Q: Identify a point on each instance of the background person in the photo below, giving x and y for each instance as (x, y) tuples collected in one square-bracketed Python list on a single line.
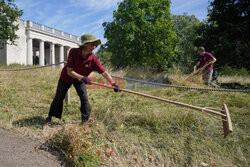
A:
[(205, 58), (81, 62)]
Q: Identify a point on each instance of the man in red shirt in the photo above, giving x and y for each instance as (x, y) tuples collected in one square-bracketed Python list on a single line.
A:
[(81, 62), (205, 58)]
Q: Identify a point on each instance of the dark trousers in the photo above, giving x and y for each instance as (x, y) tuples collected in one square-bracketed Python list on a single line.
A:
[(56, 107)]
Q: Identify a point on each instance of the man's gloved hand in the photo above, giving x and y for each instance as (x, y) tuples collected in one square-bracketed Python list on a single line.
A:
[(213, 61), (86, 80), (195, 68), (116, 87)]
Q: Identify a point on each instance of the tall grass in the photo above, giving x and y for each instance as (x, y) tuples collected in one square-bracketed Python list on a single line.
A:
[(124, 129)]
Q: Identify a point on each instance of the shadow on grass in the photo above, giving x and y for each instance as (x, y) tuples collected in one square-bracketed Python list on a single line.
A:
[(235, 86), (36, 121), (50, 147)]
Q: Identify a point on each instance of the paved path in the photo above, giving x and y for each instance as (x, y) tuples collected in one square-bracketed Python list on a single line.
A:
[(16, 151)]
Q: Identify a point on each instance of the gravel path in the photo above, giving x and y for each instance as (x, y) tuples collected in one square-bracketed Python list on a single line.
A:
[(16, 151)]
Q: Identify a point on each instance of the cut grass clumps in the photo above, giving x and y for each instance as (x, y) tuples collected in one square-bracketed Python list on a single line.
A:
[(75, 144)]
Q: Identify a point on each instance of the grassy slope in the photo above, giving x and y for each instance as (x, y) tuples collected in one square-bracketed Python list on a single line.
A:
[(139, 131)]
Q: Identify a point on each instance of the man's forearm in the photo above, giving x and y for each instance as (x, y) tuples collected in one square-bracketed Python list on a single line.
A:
[(197, 64), (74, 75), (108, 77)]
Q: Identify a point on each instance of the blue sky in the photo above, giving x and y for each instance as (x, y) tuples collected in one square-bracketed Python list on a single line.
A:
[(86, 16)]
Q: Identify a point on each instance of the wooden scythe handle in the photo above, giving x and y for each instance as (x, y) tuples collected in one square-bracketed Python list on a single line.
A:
[(166, 100), (198, 71)]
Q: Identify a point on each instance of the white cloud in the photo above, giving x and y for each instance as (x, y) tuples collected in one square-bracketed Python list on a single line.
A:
[(94, 27), (95, 23), (63, 20), (96, 5), (79, 15), (27, 6), (71, 19)]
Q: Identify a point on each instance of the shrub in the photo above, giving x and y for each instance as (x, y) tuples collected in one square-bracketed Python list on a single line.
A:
[(228, 70)]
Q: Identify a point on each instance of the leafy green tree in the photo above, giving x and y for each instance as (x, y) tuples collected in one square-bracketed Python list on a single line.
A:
[(104, 55), (9, 14), (186, 29), (142, 33), (226, 32)]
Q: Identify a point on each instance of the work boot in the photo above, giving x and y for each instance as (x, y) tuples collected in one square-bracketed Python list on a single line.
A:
[(84, 121), (48, 119)]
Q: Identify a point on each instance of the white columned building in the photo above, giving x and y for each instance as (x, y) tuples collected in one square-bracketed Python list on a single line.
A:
[(41, 55), (52, 53), (29, 54), (61, 58), (38, 45)]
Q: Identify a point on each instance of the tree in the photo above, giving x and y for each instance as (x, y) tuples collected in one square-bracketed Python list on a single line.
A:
[(186, 29), (142, 33), (226, 32), (9, 14), (104, 55)]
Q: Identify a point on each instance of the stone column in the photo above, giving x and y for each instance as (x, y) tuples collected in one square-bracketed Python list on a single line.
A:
[(52, 53), (61, 58), (41, 53), (68, 51), (30, 51)]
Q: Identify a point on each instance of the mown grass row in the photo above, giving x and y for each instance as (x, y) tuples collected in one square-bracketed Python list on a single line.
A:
[(124, 129)]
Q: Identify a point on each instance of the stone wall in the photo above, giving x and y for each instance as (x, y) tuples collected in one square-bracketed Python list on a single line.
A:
[(17, 53), (3, 53)]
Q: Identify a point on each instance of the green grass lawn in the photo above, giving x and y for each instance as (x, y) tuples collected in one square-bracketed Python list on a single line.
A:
[(125, 129)]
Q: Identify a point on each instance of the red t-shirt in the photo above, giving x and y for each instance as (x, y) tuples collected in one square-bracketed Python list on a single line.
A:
[(81, 66), (206, 58)]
